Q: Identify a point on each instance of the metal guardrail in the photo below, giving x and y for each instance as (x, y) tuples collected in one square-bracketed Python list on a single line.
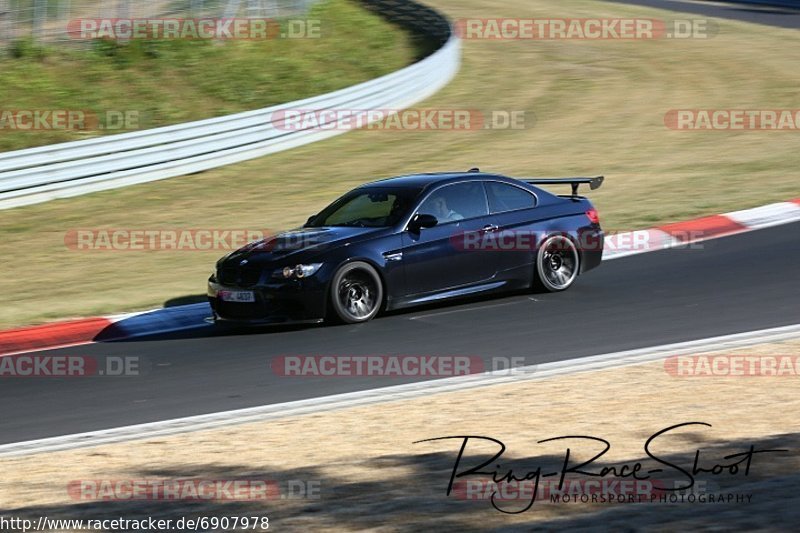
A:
[(64, 170)]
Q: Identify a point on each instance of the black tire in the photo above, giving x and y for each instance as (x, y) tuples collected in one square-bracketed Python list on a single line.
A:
[(356, 293), (557, 264)]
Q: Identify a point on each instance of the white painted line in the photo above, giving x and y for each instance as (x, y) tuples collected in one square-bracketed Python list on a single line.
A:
[(398, 392)]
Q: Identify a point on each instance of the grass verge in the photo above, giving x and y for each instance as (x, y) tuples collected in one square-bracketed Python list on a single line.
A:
[(171, 81), (599, 107)]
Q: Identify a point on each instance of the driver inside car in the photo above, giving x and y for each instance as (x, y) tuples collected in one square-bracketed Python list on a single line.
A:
[(442, 212)]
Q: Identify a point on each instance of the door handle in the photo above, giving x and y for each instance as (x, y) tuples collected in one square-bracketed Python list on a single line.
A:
[(489, 228)]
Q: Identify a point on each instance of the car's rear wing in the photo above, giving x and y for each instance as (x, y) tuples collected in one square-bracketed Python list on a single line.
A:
[(594, 183)]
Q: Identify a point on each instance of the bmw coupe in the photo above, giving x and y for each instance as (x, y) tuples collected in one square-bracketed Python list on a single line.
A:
[(412, 240)]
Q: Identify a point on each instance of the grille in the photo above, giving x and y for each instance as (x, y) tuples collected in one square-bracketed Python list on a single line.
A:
[(240, 277), (227, 276), (250, 276)]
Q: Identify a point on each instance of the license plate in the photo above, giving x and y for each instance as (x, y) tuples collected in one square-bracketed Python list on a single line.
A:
[(237, 296)]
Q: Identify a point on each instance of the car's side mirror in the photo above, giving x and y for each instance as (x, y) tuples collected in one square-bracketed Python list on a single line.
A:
[(310, 219), (421, 221)]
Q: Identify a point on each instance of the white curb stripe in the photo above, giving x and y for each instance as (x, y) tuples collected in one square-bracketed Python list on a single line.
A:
[(767, 216), (637, 242)]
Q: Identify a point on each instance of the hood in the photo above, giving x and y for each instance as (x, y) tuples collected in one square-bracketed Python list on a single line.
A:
[(296, 245)]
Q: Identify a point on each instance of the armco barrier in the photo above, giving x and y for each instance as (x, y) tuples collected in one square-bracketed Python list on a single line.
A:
[(46, 173)]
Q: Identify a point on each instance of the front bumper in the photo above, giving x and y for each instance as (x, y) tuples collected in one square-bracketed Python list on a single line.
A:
[(292, 301)]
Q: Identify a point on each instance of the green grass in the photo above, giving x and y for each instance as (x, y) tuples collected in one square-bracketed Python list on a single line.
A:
[(173, 81), (599, 105)]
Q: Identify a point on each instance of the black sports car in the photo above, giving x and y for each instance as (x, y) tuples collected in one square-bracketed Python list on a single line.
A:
[(411, 240)]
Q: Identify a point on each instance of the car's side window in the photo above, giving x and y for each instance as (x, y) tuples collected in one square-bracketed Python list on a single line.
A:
[(456, 202), (504, 197)]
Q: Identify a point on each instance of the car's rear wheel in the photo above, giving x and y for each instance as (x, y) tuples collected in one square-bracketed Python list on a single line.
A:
[(557, 264), (356, 293)]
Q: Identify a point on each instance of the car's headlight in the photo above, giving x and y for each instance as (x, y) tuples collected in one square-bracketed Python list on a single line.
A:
[(299, 271)]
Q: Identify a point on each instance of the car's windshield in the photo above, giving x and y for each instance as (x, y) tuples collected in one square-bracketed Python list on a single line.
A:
[(374, 207)]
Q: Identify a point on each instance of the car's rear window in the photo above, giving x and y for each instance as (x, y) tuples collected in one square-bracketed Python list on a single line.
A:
[(504, 197)]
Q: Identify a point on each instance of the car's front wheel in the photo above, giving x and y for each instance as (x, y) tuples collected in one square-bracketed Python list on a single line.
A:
[(356, 293), (557, 264)]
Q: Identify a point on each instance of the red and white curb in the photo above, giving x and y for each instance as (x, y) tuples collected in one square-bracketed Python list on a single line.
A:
[(59, 334), (701, 229), (109, 328), (618, 245)]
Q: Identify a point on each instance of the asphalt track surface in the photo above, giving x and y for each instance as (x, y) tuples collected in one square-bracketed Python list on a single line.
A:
[(746, 11), (739, 283), (733, 284)]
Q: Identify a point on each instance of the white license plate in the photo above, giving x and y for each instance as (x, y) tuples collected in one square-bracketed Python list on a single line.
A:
[(237, 296)]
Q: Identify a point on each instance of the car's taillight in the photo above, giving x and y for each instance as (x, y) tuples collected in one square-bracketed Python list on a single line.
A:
[(593, 216)]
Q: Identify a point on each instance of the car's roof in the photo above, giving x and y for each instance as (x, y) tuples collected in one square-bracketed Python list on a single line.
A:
[(424, 181)]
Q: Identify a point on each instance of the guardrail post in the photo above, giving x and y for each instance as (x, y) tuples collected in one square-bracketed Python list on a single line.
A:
[(5, 22), (39, 19)]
